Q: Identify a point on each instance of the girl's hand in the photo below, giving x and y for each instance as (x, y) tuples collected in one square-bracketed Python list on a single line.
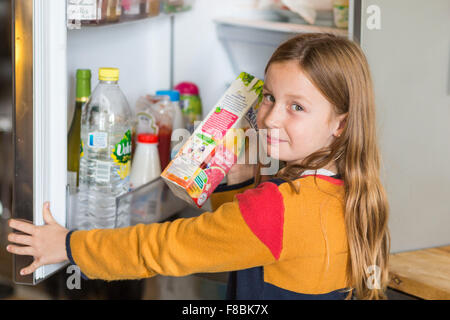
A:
[(240, 173), (47, 244), (243, 170)]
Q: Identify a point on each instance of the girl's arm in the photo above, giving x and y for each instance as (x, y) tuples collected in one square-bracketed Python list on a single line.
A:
[(245, 233), (225, 193)]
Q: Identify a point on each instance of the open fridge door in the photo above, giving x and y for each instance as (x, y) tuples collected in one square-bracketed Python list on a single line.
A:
[(45, 53), (39, 108)]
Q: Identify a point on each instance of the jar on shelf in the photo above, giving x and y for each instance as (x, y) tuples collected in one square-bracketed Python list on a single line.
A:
[(134, 9), (112, 9), (190, 103), (153, 7), (340, 12), (172, 6)]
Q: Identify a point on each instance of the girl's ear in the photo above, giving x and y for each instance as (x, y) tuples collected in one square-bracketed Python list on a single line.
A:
[(342, 120)]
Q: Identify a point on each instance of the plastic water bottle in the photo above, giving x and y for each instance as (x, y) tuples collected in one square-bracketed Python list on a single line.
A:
[(106, 153)]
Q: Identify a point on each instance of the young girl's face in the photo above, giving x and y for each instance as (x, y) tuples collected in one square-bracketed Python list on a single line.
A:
[(298, 118)]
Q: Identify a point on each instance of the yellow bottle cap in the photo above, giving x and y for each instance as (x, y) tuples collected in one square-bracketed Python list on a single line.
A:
[(108, 74)]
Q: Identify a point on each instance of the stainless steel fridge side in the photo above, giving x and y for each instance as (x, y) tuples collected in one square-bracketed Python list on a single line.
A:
[(22, 205), (354, 23)]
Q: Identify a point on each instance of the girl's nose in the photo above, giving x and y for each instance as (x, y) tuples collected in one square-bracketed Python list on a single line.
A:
[(274, 117)]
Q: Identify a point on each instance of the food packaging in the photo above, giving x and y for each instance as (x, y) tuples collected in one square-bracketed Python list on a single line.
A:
[(209, 153)]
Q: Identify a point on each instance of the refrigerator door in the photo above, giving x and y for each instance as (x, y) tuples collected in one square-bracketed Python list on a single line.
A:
[(39, 116), (45, 56), (407, 43)]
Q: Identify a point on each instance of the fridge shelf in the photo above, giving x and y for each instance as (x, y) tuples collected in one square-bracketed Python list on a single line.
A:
[(76, 25), (276, 26), (241, 38)]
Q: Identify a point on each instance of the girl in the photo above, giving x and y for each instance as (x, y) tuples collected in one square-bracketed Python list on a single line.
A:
[(318, 230)]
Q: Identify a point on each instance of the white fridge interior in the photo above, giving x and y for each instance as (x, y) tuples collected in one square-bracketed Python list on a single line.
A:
[(152, 54)]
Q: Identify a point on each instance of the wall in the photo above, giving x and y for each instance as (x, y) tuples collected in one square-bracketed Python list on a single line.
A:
[(409, 59)]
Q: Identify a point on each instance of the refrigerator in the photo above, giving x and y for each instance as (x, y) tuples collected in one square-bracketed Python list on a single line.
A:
[(407, 43), (47, 51)]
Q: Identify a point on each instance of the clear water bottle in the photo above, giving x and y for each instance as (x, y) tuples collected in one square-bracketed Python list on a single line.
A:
[(106, 154)]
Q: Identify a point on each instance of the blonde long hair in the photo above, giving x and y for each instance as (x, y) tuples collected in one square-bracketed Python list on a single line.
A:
[(339, 69)]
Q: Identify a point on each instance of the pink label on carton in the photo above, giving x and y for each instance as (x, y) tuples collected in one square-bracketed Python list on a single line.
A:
[(219, 123), (223, 158), (215, 176)]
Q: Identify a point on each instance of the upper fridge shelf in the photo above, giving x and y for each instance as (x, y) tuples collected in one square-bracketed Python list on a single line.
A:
[(242, 38), (283, 27), (95, 13)]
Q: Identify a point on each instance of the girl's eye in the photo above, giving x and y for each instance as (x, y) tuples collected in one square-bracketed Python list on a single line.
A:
[(296, 107), (269, 98)]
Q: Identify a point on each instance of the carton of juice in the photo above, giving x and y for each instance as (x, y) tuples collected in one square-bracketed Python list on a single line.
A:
[(213, 148)]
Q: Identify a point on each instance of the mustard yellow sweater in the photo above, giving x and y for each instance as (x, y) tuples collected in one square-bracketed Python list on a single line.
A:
[(283, 244)]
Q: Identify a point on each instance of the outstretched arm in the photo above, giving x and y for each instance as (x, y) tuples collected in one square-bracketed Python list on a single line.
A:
[(241, 234)]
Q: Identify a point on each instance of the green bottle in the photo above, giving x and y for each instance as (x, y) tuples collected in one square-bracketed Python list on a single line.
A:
[(74, 145)]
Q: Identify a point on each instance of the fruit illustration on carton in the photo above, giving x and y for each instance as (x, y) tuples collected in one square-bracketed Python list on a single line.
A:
[(214, 147)]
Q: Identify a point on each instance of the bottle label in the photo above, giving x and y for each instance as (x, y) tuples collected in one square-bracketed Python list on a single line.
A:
[(99, 10), (72, 181), (121, 154), (81, 148), (131, 7), (102, 171), (82, 10), (146, 123), (98, 140)]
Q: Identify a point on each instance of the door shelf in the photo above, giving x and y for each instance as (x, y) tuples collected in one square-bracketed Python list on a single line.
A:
[(150, 203)]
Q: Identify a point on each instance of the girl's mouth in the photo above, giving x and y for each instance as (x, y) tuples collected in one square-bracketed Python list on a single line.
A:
[(272, 140)]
